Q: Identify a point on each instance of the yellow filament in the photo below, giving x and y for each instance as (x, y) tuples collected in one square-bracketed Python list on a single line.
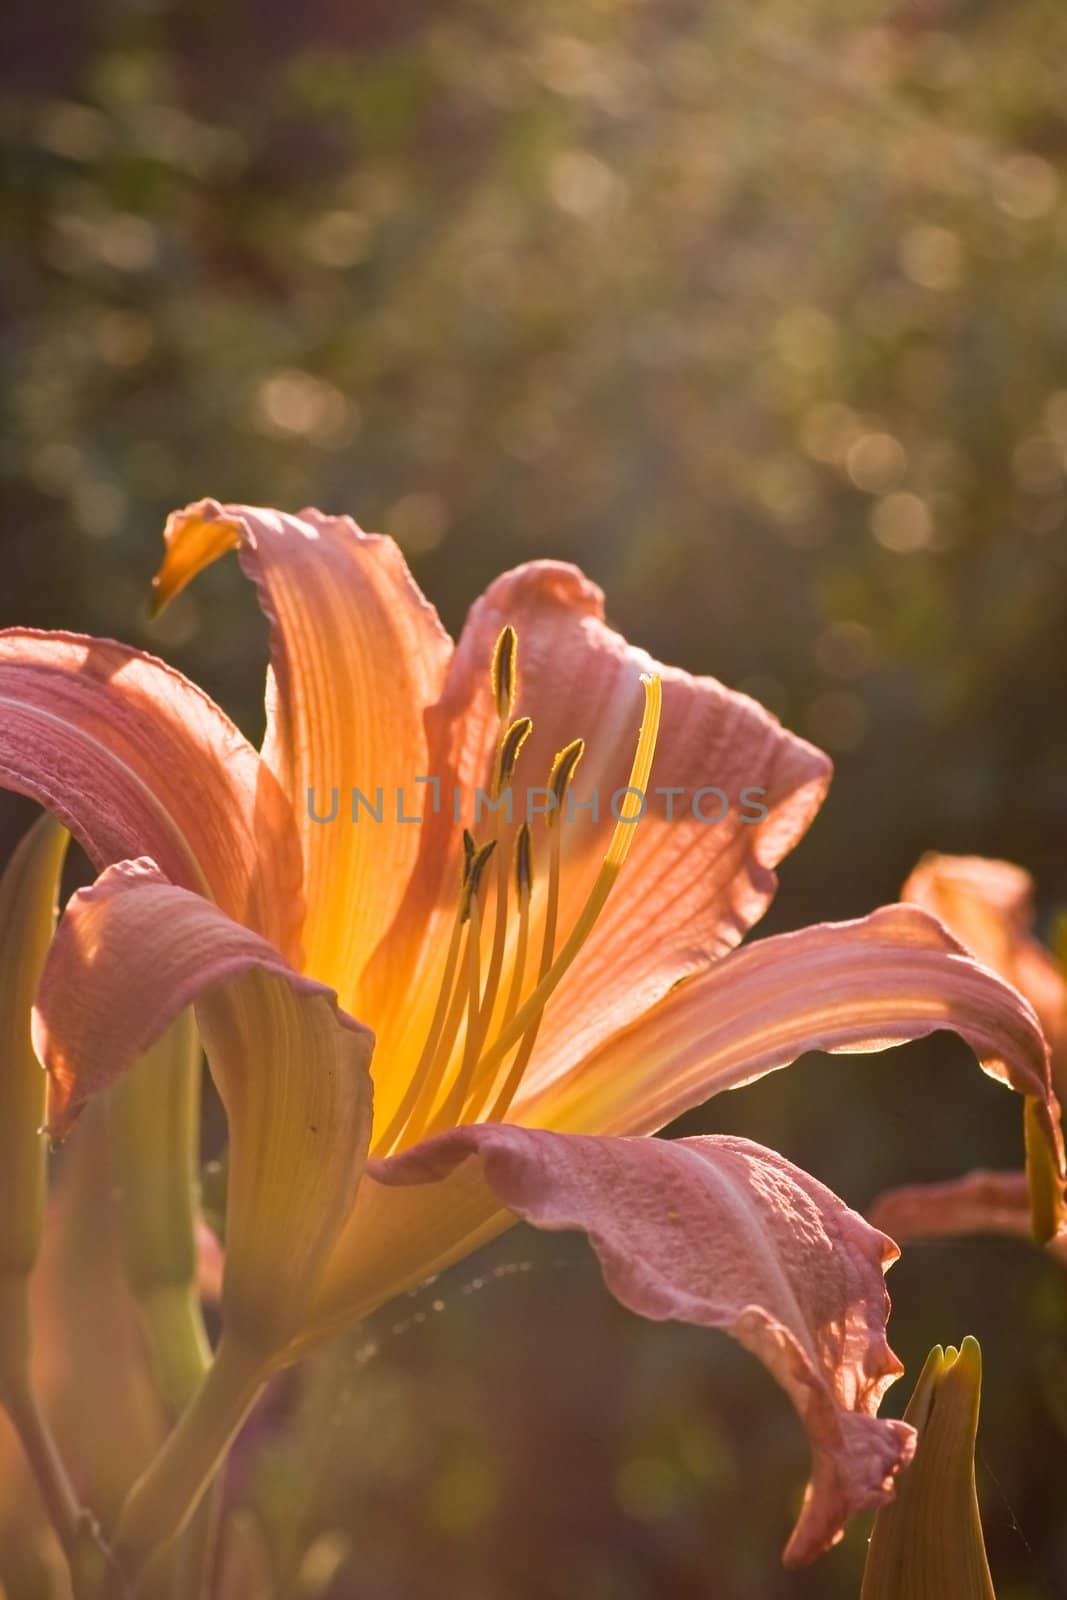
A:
[(496, 955), (518, 972), (448, 1113), (483, 1079), (434, 1072), (548, 943), (444, 1024), (618, 850), (523, 886), (508, 751), (433, 1039), (510, 1086), (548, 948)]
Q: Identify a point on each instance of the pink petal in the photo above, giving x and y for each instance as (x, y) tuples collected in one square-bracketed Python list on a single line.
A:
[(689, 889), (725, 1234), (134, 760), (292, 1070), (357, 655), (989, 906), (210, 1260), (981, 1202), (849, 986)]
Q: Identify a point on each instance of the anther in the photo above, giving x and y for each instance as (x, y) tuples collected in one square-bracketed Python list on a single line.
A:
[(523, 863), (510, 746), (562, 774), (478, 863), (469, 851), (503, 672)]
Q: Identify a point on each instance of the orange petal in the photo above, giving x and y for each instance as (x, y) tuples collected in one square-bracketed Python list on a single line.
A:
[(134, 759), (848, 986), (713, 1231), (989, 906), (690, 888), (192, 543), (292, 1071), (357, 656)]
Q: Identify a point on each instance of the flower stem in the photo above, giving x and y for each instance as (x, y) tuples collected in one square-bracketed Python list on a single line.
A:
[(197, 1551), (48, 1470), (160, 1504), (180, 1352)]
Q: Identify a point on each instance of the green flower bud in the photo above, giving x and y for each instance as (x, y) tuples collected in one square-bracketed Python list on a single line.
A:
[(927, 1543)]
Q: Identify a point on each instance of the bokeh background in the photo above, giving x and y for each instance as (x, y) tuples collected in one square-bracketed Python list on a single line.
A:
[(759, 313)]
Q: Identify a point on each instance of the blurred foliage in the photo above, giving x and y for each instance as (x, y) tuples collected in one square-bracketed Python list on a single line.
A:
[(758, 314)]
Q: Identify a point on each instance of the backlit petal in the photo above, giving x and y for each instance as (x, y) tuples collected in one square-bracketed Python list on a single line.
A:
[(848, 986), (988, 905), (357, 655), (134, 760), (690, 888), (713, 1231), (980, 1202), (292, 1070)]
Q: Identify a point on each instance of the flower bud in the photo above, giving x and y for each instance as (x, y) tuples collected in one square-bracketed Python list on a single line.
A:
[(927, 1543)]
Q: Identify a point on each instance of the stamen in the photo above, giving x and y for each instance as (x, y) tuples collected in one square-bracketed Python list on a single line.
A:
[(475, 872), (523, 864), (435, 1071), (429, 1050), (548, 946), (510, 745), (496, 955), (444, 1024), (508, 753), (479, 1068), (563, 769), (562, 774), (618, 850), (483, 1078), (509, 1089), (447, 1115), (503, 672)]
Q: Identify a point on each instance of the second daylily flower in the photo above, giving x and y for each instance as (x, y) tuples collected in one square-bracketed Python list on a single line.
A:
[(538, 996), (988, 905)]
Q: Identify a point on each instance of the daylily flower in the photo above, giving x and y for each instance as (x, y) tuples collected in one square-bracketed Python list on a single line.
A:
[(928, 1544), (989, 906), (540, 995)]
